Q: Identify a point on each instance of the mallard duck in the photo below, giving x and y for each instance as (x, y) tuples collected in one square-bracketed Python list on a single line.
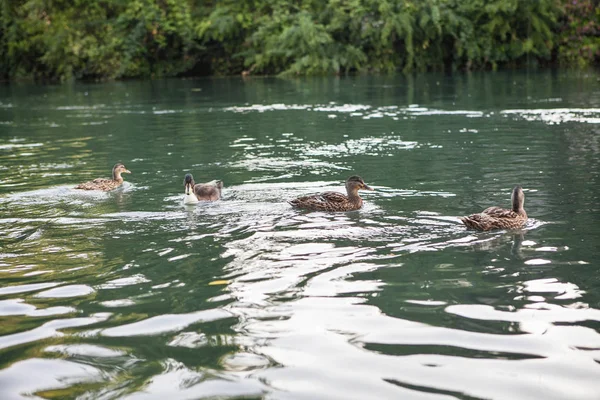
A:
[(106, 184), (500, 218), (334, 201), (201, 191)]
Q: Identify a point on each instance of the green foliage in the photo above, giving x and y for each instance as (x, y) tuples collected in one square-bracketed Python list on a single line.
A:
[(105, 38), (62, 39), (579, 40), (222, 29), (504, 31), (296, 44)]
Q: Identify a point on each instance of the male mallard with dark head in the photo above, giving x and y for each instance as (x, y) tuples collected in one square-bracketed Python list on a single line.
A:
[(334, 201), (201, 191), (500, 218), (106, 184)]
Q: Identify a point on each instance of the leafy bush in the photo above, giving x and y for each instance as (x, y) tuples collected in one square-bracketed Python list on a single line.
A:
[(108, 39), (579, 42)]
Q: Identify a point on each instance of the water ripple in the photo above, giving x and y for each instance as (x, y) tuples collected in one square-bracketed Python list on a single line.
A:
[(131, 294), (165, 323)]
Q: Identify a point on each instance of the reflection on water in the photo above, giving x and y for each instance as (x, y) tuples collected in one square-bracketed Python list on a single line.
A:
[(131, 294)]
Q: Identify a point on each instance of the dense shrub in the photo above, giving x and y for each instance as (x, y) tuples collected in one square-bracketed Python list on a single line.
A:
[(579, 37), (61, 39)]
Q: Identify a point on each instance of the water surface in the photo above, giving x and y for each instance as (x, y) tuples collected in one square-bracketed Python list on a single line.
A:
[(132, 295)]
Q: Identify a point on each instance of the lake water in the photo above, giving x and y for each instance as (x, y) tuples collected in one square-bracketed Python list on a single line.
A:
[(132, 295)]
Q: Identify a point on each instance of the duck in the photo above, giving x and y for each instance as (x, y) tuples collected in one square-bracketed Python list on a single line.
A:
[(209, 191), (500, 218), (106, 184), (334, 201)]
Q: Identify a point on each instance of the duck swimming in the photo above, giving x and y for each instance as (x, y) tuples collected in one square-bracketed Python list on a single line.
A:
[(194, 192), (500, 218), (334, 201), (106, 184)]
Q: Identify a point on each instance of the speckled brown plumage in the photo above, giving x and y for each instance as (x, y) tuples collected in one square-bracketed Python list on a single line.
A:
[(334, 201), (106, 184), (500, 218)]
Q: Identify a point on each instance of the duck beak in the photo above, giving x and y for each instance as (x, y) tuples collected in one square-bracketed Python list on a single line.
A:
[(126, 171), (366, 187), (187, 189)]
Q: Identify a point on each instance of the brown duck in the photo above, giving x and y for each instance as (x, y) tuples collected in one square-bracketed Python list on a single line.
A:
[(500, 218), (194, 192), (334, 201), (106, 184)]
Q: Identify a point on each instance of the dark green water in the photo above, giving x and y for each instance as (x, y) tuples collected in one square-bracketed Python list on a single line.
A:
[(132, 295)]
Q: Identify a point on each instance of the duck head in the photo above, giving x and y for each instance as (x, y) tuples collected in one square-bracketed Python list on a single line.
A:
[(119, 169), (188, 183), (356, 183), (517, 198), (190, 196)]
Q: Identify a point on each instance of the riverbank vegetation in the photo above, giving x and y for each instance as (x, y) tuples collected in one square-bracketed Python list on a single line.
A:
[(116, 39)]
